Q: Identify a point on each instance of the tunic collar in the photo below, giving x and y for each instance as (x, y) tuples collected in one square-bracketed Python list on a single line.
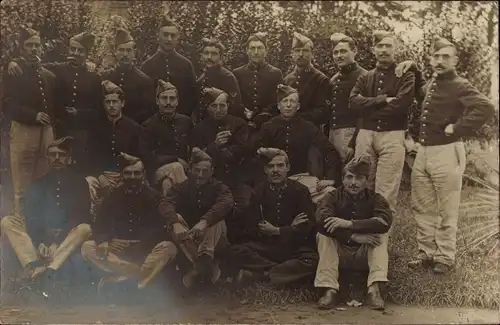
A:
[(349, 68), (386, 68), (306, 70), (257, 66), (355, 198), (167, 119), (447, 75), (278, 188)]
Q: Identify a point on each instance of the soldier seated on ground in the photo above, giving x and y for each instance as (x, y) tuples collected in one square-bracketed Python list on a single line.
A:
[(352, 222), (195, 212), (55, 222), (129, 240), (281, 215)]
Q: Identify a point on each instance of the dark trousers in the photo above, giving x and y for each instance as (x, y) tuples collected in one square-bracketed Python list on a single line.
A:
[(283, 263), (237, 222)]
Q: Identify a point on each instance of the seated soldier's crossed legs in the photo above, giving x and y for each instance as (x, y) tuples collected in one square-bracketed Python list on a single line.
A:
[(168, 175), (15, 230)]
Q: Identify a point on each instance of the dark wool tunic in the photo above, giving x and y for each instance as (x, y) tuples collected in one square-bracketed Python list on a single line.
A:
[(258, 86), (369, 212), (296, 137), (139, 92), (132, 216), (314, 92), (223, 79), (342, 115), (108, 139), (451, 99), (228, 159), (175, 68), (280, 206), (79, 88), (369, 97), (212, 202), (165, 140), (58, 200), (29, 94)]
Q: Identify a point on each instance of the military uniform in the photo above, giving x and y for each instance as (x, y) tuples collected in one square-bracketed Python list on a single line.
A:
[(290, 256), (24, 97), (436, 179), (381, 135)]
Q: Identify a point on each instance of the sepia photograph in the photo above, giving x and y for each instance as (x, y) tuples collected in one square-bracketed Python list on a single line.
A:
[(249, 162)]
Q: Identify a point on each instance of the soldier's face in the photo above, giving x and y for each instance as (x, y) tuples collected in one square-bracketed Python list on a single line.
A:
[(256, 51), (385, 49), (58, 158), (133, 175), (125, 53), (289, 105), (201, 172), (354, 183), (302, 56), (211, 56), (76, 53), (167, 102), (343, 54), (168, 38), (113, 105), (32, 48), (218, 108), (444, 60), (277, 169)]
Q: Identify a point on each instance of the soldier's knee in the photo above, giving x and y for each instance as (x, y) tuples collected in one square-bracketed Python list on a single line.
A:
[(168, 248), (7, 223), (84, 229), (176, 166)]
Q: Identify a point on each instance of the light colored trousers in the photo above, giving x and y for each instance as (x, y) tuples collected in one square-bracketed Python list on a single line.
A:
[(312, 184), (387, 154), (108, 180), (160, 256), (28, 157), (15, 230), (340, 139), (169, 175), (436, 183), (334, 256)]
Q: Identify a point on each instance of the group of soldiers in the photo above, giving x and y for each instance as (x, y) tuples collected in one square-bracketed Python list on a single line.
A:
[(283, 178)]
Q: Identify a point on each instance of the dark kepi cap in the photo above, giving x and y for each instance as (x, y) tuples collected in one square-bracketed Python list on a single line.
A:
[(198, 155), (267, 154), (359, 166), (336, 38), (65, 143), (211, 94), (379, 35), (441, 42), (300, 40), (259, 36), (284, 91), (27, 33), (125, 160), (110, 88), (167, 21), (87, 40), (122, 36), (164, 86), (213, 42)]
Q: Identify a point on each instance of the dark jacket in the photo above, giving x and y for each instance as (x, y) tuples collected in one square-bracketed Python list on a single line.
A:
[(369, 97), (212, 202), (342, 115), (179, 71), (164, 141), (451, 99), (29, 94), (369, 211), (139, 92), (58, 200), (314, 92)]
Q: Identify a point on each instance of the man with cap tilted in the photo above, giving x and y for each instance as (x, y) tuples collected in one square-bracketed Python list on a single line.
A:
[(78, 95), (313, 86), (29, 102), (343, 119), (281, 216), (56, 218), (217, 76), (137, 86), (352, 222), (384, 101), (167, 64), (258, 81), (195, 213), (295, 135), (129, 237), (112, 133), (224, 137), (452, 109), (165, 139)]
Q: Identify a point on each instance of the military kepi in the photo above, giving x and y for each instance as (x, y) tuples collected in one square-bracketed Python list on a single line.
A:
[(206, 41), (359, 166), (440, 42), (211, 94), (300, 40), (85, 39), (122, 36), (267, 154), (198, 155), (63, 143), (125, 160), (164, 86), (336, 38), (285, 91), (379, 35), (259, 36), (110, 88), (27, 33)]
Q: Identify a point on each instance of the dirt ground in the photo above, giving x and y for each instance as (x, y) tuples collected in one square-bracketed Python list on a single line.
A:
[(202, 312)]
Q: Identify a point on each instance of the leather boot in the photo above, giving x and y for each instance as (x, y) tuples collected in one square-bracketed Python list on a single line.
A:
[(328, 300)]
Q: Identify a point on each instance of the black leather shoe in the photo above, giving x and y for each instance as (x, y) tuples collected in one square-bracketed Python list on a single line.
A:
[(328, 300), (375, 300), (441, 268)]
